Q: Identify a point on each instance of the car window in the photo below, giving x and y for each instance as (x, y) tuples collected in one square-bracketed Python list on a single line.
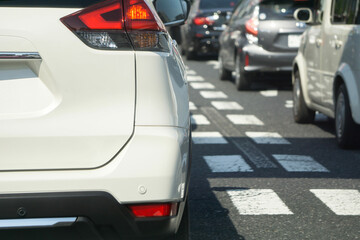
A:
[(345, 12), (319, 6), (48, 3), (282, 9), (209, 4)]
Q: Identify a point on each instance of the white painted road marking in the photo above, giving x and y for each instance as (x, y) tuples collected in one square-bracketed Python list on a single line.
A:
[(223, 105), (340, 201), (267, 138), (298, 163), (230, 163), (269, 93), (208, 138), (213, 63), (191, 72), (202, 85), (213, 94), (199, 119), (244, 119), (192, 106), (289, 104), (195, 78), (258, 202)]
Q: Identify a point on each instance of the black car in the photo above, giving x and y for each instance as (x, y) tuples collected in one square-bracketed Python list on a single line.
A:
[(262, 36), (206, 22)]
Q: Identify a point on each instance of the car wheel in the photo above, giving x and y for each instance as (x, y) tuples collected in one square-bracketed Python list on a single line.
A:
[(347, 131), (224, 74), (190, 55), (242, 81), (301, 113)]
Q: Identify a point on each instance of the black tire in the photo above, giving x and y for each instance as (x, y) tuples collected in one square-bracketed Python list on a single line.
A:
[(347, 131), (242, 80), (224, 74), (190, 55), (301, 113)]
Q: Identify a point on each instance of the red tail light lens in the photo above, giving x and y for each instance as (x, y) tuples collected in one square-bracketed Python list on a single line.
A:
[(119, 25), (203, 21), (251, 26), (154, 210)]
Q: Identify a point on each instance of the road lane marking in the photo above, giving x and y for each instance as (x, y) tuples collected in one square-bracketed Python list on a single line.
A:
[(298, 163), (245, 145), (198, 119), (192, 106), (191, 72), (269, 93), (202, 85), (225, 164), (191, 78), (267, 138), (213, 94), (224, 105), (208, 138), (213, 63), (289, 104), (258, 202), (239, 119), (340, 201)]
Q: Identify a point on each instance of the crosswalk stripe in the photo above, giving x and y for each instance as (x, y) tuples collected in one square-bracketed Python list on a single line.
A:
[(215, 64), (269, 93), (199, 119), (258, 202), (340, 201), (191, 72), (191, 78), (227, 163), (208, 138), (289, 104), (224, 105), (201, 85), (213, 94), (299, 163), (267, 138), (192, 106), (239, 119)]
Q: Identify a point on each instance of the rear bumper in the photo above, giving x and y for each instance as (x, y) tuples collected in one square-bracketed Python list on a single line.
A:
[(261, 60), (97, 215)]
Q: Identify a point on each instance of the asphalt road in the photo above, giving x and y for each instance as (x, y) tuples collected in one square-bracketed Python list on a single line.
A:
[(258, 175)]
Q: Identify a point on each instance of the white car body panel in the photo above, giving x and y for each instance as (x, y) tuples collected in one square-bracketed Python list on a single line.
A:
[(67, 114)]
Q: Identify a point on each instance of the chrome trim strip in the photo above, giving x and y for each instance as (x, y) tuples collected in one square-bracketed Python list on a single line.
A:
[(19, 55), (36, 222)]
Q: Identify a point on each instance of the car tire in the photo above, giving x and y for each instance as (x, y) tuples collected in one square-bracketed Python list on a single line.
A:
[(224, 74), (346, 130), (242, 81), (190, 55), (301, 113)]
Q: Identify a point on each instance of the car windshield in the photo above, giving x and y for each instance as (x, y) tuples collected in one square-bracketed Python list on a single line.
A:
[(209, 4), (281, 9)]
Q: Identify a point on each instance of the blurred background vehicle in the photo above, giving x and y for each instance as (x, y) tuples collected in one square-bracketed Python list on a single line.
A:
[(206, 22), (262, 36), (326, 71)]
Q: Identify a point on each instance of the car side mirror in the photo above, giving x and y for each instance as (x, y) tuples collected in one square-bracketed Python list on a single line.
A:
[(304, 15), (172, 12)]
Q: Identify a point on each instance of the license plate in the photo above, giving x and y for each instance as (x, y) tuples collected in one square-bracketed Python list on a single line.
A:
[(294, 41)]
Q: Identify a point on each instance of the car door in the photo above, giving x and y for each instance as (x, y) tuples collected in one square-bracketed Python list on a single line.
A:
[(336, 33), (313, 50)]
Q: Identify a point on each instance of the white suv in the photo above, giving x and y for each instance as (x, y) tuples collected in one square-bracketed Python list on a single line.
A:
[(326, 71), (94, 118)]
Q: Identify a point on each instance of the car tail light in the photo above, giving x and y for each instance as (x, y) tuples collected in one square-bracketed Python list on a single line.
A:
[(247, 60), (251, 27), (203, 21), (119, 25), (154, 210)]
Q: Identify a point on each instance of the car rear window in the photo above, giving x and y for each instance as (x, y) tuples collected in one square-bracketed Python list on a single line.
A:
[(282, 9), (209, 4), (48, 3)]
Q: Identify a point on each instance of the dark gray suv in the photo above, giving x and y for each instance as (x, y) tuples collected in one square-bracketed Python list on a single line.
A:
[(262, 36)]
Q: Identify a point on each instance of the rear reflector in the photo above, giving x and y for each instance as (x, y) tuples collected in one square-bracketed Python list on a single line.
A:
[(154, 210), (119, 25)]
